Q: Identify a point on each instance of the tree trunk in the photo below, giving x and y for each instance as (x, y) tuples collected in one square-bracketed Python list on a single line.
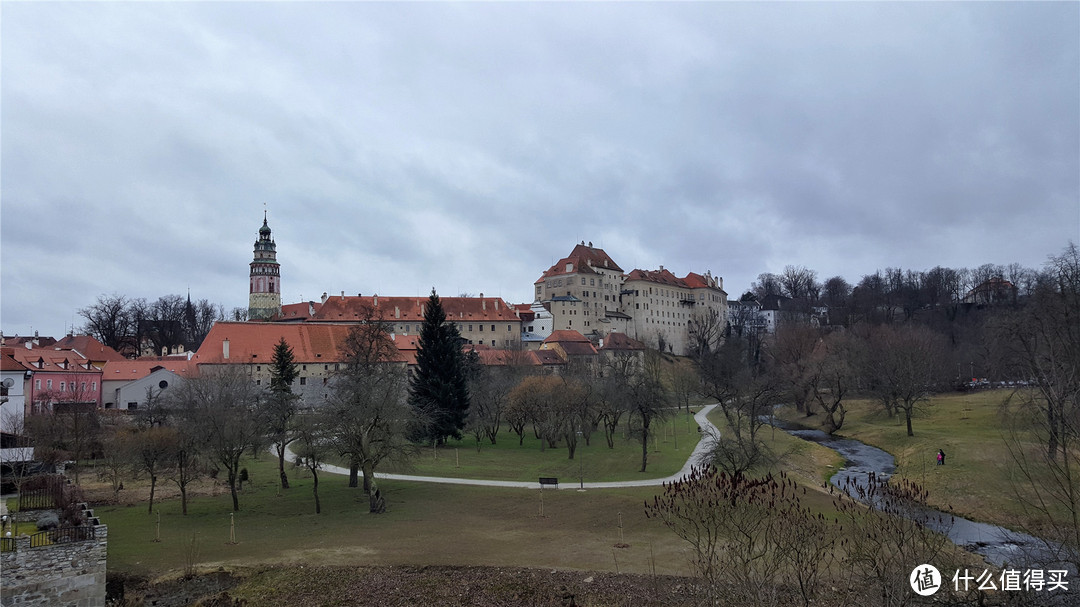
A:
[(183, 499), (354, 468), (153, 485), (369, 477), (232, 490), (644, 443), (315, 489), (281, 465), (907, 416)]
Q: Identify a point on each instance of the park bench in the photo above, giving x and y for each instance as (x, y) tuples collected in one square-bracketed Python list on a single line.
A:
[(549, 480)]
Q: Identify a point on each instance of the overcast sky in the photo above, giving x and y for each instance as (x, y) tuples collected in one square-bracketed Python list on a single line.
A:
[(468, 146)]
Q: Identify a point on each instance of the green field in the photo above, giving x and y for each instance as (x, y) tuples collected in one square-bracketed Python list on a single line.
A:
[(674, 440), (424, 524), (977, 478)]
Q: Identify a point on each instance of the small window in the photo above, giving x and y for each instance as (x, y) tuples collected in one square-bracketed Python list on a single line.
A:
[(63, 386), (303, 381), (583, 280), (37, 384), (48, 384), (133, 406), (258, 368), (93, 386), (258, 382), (481, 328), (492, 328)]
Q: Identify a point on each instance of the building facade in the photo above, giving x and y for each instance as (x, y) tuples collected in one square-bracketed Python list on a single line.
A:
[(588, 292)]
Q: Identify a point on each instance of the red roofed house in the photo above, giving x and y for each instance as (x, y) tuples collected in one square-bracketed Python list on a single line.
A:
[(318, 350), (581, 289), (61, 379), (125, 383), (480, 320), (89, 348), (571, 346)]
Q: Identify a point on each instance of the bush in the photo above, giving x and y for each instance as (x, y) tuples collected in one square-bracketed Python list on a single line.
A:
[(48, 521)]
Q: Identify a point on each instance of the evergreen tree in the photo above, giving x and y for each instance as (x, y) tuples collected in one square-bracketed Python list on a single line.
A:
[(283, 371), (437, 389), (280, 409)]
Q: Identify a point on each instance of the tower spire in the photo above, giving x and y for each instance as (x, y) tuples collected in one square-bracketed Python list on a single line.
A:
[(264, 287)]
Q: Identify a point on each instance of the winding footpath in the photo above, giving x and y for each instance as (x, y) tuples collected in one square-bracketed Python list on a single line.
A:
[(701, 417)]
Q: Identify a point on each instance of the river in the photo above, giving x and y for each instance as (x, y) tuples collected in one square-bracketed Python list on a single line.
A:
[(996, 544)]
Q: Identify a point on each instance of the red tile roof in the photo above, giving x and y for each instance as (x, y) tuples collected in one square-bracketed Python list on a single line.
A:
[(89, 347), (661, 276), (621, 341), (53, 361), (572, 342), (565, 336), (128, 370), (8, 362), (253, 342), (548, 357), (16, 341), (411, 309), (582, 260)]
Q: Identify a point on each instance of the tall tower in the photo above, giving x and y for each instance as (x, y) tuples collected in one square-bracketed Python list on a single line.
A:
[(264, 299)]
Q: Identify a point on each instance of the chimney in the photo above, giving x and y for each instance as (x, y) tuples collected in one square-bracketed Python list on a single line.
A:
[(324, 297), (225, 349), (496, 305), (343, 296), (375, 300), (397, 312), (483, 303)]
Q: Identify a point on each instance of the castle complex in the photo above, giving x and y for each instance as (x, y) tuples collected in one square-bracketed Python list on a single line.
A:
[(586, 292)]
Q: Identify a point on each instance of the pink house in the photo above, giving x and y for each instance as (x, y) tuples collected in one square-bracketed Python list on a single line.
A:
[(59, 379)]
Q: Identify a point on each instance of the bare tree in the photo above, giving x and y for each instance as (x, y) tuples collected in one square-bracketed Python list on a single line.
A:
[(745, 394), (798, 282), (1046, 409), (109, 320), (705, 329), (153, 450), (314, 432), (832, 374), (368, 400), (188, 461), (904, 366), (791, 356), (647, 400), (222, 405)]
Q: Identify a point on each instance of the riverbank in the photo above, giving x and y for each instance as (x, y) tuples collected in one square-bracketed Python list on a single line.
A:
[(977, 478)]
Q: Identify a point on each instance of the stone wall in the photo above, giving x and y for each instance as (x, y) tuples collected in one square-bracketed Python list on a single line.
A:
[(62, 575)]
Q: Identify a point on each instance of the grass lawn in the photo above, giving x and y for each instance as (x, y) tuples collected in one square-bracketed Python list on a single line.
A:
[(675, 439), (424, 524), (975, 481)]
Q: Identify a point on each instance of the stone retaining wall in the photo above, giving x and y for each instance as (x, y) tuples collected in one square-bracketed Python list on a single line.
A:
[(62, 575)]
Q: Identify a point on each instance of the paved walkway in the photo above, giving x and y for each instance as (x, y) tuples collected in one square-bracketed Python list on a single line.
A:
[(702, 446)]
